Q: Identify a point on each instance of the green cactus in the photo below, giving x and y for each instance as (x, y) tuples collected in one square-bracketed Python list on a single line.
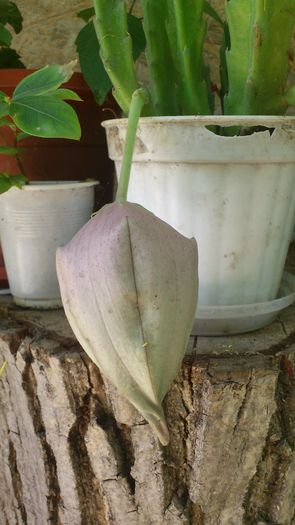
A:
[(161, 68), (116, 48), (258, 59), (186, 31), (255, 55)]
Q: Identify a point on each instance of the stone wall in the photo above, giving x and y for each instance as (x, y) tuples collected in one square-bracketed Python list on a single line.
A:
[(49, 31), (51, 26)]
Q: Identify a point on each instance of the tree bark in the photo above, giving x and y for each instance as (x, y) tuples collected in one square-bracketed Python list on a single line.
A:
[(74, 452)]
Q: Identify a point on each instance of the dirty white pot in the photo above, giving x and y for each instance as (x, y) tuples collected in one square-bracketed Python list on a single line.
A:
[(235, 195), (34, 222)]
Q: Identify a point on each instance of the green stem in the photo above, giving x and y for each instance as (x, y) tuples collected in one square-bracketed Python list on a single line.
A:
[(111, 28), (139, 99), (162, 72), (186, 31)]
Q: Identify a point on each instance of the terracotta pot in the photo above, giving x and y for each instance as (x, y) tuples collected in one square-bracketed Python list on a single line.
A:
[(62, 159)]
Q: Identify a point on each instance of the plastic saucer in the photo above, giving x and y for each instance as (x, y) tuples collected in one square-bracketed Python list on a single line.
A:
[(237, 319)]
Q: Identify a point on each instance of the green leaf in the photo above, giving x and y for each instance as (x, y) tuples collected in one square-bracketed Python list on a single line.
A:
[(86, 14), (9, 58), (136, 32), (4, 105), (66, 94), (5, 36), (9, 181), (225, 45), (5, 122), (21, 135), (41, 82), (10, 14), (209, 10), (91, 64), (45, 116), (89, 53), (18, 180), (9, 150)]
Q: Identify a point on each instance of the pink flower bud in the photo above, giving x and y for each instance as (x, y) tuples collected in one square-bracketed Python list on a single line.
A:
[(129, 288)]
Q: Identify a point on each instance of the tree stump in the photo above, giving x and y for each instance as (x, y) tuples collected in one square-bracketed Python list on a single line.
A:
[(73, 452)]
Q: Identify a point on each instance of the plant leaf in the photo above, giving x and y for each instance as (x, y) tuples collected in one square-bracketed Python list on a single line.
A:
[(4, 105), (86, 14), (89, 55), (9, 181), (21, 136), (209, 10), (10, 14), (9, 150), (9, 58), (43, 81), (135, 29), (91, 64), (5, 36), (5, 122), (45, 116), (66, 94)]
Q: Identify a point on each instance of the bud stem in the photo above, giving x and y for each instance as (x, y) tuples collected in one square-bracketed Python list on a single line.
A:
[(139, 99)]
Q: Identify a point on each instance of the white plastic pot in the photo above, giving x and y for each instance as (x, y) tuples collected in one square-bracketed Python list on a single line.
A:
[(235, 195), (35, 221)]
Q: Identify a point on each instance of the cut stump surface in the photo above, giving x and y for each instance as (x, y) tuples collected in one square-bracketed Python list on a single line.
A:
[(74, 453)]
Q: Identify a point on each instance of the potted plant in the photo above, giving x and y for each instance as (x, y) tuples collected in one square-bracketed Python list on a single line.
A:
[(41, 216), (227, 180), (52, 159)]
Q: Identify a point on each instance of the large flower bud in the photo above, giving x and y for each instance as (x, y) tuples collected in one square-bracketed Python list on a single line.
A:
[(129, 288)]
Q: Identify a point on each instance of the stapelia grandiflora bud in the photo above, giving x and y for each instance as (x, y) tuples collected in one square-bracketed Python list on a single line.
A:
[(129, 288)]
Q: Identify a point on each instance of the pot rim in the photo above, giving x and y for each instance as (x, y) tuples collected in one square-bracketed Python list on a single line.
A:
[(58, 185), (269, 121)]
